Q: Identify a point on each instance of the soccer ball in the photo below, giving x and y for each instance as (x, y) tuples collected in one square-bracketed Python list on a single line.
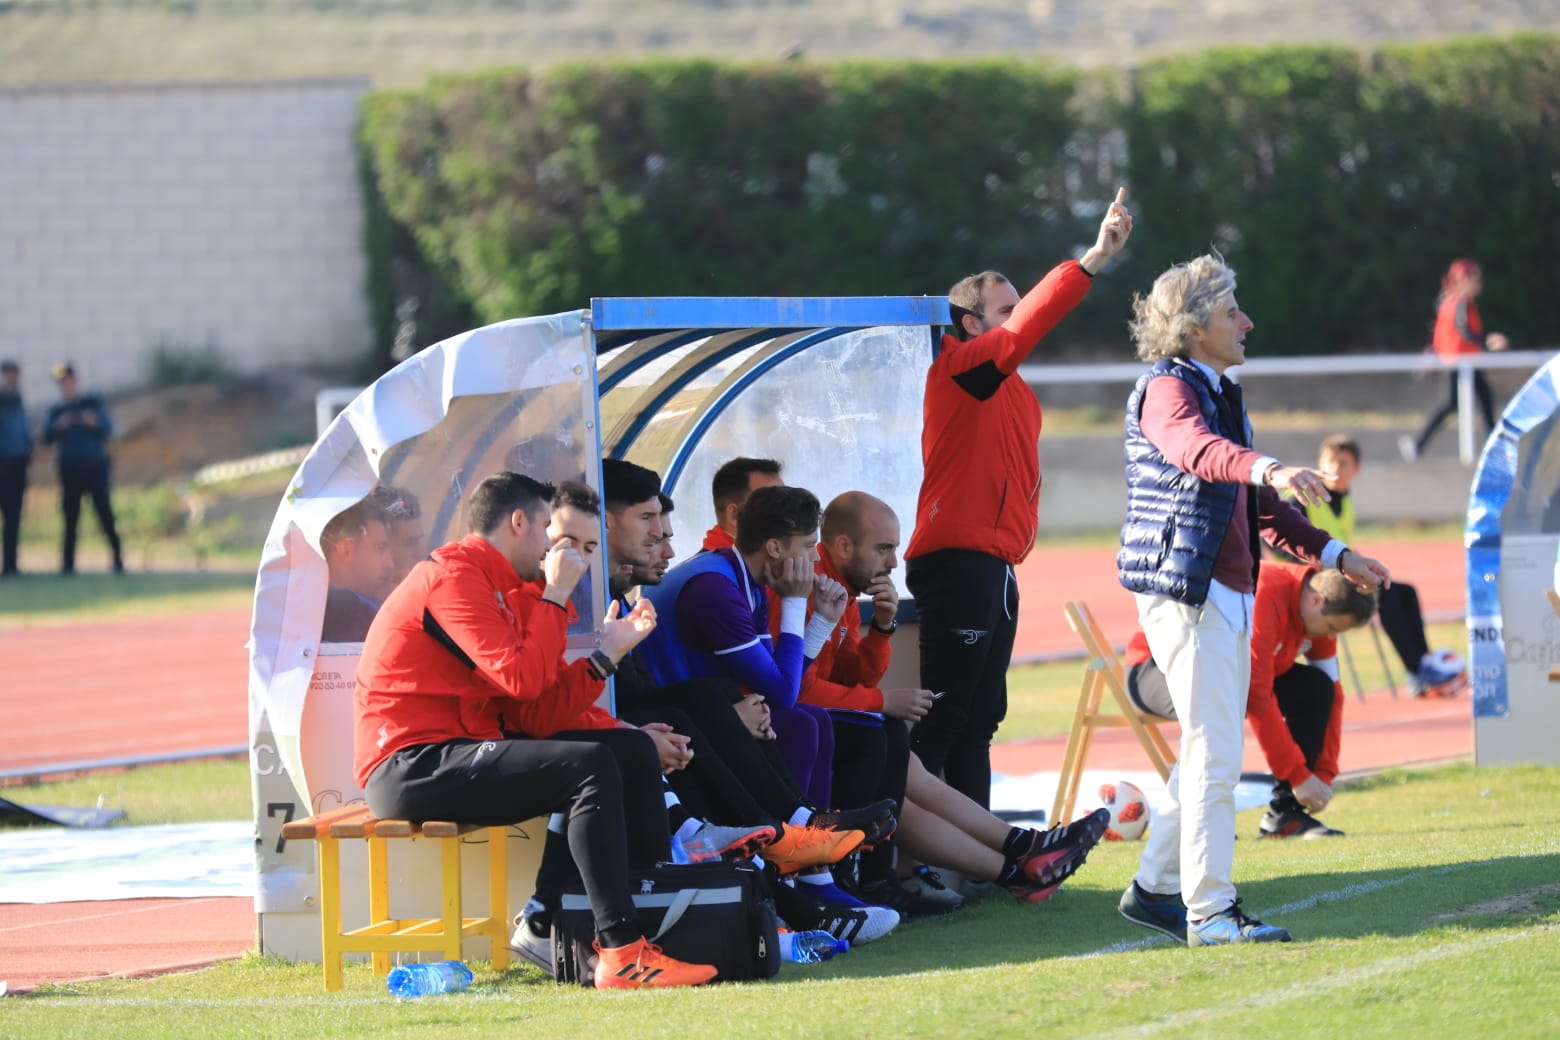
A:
[(1128, 807)]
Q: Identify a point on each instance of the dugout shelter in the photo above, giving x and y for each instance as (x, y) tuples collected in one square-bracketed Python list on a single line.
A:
[(830, 386)]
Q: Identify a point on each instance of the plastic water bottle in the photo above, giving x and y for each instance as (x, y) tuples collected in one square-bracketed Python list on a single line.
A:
[(422, 980), (810, 947)]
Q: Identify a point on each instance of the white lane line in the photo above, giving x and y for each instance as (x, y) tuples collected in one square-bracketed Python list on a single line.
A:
[(1318, 898), (1309, 988)]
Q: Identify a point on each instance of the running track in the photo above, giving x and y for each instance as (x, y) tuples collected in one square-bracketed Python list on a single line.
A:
[(177, 684)]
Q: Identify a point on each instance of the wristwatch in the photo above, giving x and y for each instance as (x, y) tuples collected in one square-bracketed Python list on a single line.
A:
[(893, 626)]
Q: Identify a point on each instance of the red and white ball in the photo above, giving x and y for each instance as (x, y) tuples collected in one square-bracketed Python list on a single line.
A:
[(1128, 807)]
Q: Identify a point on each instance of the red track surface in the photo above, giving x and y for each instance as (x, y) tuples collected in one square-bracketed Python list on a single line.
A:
[(124, 689)]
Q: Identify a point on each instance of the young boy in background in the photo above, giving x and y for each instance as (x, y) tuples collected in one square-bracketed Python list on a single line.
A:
[(1430, 673)]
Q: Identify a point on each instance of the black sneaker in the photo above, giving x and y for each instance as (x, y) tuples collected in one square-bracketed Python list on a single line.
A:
[(1293, 823), (876, 821), (1165, 915), (802, 912), (1057, 853), (908, 902)]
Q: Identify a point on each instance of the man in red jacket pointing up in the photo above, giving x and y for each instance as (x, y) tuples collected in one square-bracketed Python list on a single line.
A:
[(977, 512)]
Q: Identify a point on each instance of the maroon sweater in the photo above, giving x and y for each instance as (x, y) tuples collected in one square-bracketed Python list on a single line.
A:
[(1173, 424)]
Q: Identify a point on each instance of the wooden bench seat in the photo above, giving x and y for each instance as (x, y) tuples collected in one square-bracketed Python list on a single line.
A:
[(384, 935)]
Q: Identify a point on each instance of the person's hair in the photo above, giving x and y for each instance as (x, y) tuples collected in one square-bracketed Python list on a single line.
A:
[(776, 512), (667, 505), (1341, 444), (351, 523), (396, 503), (1458, 271), (500, 494), (965, 298), (843, 516), (1181, 300), (624, 484), (581, 496), (731, 480), (9, 366), (1342, 596), (63, 370)]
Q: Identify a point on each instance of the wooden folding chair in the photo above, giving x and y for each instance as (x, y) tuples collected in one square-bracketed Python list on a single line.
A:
[(1103, 672)]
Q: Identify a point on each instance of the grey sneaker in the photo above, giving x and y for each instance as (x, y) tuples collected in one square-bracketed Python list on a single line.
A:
[(1407, 448), (1166, 916), (712, 841), (1231, 925), (926, 888)]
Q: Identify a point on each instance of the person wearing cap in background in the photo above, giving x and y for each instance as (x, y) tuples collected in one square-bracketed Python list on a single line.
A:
[(16, 447), (80, 425)]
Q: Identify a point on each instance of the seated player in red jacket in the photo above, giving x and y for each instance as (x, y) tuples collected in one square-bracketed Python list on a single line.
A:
[(465, 709), (1296, 710)]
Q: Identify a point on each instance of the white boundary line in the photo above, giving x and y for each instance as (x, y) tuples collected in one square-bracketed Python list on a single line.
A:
[(1310, 988), (1318, 898)]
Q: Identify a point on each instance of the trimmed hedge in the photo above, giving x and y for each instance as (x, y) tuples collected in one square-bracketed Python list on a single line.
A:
[(1339, 185)]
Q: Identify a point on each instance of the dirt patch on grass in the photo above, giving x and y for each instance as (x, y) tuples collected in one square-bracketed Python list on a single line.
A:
[(1537, 900)]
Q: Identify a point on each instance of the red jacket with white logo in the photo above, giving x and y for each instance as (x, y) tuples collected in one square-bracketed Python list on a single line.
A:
[(1277, 638), (462, 649), (981, 431)]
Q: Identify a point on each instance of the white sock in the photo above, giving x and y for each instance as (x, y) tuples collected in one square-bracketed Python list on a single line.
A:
[(689, 827), (823, 877)]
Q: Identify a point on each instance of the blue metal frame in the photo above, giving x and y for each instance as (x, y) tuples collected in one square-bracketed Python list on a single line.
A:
[(671, 344), (614, 313), (651, 410), (713, 409)]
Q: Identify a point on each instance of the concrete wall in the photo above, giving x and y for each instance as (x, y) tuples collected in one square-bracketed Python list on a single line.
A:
[(179, 216)]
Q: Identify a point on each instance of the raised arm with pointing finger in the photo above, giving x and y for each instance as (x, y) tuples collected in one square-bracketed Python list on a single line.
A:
[(977, 513)]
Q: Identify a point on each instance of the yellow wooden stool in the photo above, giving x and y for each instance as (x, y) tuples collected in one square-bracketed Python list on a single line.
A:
[(384, 935)]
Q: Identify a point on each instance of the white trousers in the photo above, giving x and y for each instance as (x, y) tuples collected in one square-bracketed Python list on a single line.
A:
[(1206, 660)]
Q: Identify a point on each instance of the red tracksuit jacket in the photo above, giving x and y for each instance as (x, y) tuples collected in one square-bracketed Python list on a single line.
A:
[(981, 431), (462, 649)]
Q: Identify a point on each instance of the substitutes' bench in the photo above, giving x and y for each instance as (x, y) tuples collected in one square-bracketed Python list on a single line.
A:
[(384, 935)]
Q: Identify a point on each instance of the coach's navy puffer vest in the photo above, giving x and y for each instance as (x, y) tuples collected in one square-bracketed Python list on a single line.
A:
[(1176, 521)]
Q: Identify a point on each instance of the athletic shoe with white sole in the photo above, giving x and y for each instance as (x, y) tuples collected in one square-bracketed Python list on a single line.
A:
[(1164, 914), (1232, 925), (1292, 823), (536, 949), (802, 911)]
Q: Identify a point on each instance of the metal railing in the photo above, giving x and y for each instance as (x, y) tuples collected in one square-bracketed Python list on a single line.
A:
[(1355, 364)]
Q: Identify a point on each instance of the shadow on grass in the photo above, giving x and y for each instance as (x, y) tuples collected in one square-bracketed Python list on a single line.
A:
[(1493, 894), (56, 597)]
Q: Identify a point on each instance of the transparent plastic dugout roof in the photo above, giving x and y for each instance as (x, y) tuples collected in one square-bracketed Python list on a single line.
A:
[(832, 388)]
